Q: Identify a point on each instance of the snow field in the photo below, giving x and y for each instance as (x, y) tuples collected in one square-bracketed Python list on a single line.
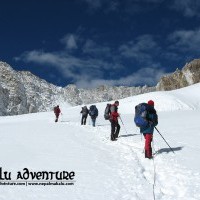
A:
[(105, 169)]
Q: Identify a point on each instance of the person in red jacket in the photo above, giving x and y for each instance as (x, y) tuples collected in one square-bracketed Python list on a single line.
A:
[(115, 127), (57, 112)]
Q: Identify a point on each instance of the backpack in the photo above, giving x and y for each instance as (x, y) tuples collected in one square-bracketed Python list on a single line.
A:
[(142, 113), (93, 112), (84, 110), (107, 112)]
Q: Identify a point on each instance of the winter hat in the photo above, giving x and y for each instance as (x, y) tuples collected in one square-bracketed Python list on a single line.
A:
[(151, 103), (116, 102)]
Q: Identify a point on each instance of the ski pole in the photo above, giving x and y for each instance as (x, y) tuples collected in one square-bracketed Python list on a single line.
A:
[(123, 124), (61, 117), (164, 139)]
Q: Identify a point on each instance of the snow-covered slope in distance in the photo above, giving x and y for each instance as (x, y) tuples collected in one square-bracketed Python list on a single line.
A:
[(187, 98)]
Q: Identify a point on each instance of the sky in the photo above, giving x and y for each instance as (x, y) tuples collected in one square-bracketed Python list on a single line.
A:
[(98, 42)]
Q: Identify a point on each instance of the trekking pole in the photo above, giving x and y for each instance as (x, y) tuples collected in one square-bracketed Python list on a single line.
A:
[(123, 124), (164, 139), (61, 117)]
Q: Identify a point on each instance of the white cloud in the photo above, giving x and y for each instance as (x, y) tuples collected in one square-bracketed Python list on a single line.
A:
[(70, 41), (185, 40), (90, 47), (90, 68), (141, 49), (129, 7), (91, 71), (70, 66), (148, 75), (189, 8)]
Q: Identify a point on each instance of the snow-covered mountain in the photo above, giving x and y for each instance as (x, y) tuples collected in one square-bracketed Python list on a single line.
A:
[(22, 92), (105, 170)]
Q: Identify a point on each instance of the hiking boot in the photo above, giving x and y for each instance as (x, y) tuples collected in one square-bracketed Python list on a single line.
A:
[(113, 138)]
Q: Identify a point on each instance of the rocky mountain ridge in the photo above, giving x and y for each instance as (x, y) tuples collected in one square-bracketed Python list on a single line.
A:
[(22, 92), (190, 74)]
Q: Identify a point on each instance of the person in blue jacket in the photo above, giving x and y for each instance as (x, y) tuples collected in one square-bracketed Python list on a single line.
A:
[(147, 131)]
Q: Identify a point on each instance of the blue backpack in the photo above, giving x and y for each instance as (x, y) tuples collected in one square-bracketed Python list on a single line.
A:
[(142, 113)]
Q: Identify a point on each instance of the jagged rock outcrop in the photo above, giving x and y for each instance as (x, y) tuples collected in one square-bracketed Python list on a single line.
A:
[(40, 94), (4, 95), (16, 103), (107, 93), (190, 74), (72, 95), (102, 93), (22, 92)]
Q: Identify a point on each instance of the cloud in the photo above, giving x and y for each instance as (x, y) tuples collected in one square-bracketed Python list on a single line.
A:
[(141, 49), (147, 50), (125, 6), (70, 66), (94, 3), (69, 41), (189, 8), (91, 73), (91, 47), (185, 40), (144, 76), (94, 64)]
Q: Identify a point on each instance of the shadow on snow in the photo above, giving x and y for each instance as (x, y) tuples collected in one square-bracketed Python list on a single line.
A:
[(103, 124), (168, 150), (128, 135)]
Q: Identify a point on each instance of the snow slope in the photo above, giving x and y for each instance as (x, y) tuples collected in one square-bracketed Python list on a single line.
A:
[(104, 169)]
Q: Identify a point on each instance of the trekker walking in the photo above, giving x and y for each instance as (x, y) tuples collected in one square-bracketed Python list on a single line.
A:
[(147, 131), (93, 112), (84, 112), (115, 127), (57, 112)]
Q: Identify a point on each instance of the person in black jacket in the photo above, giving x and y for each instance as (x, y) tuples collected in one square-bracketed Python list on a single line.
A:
[(93, 112), (84, 112)]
